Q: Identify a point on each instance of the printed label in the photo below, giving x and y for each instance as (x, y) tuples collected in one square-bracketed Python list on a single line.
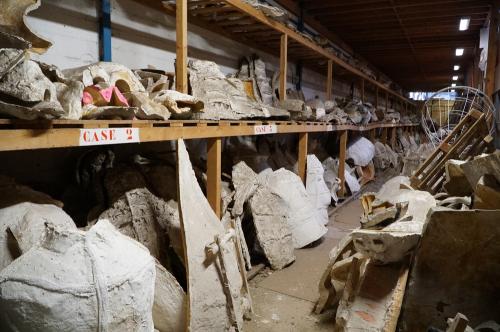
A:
[(104, 136), (329, 128), (265, 129)]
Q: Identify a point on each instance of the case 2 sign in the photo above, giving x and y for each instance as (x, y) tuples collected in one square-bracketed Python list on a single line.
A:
[(104, 136)]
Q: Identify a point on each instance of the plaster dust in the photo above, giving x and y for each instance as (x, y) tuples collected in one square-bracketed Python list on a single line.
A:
[(284, 300)]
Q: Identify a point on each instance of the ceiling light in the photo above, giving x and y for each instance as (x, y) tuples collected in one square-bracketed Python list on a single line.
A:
[(455, 77), (453, 85), (464, 24), (452, 90), (456, 67), (459, 52)]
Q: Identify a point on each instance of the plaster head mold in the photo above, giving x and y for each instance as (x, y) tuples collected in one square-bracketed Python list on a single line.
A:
[(84, 272), (317, 189), (217, 293), (22, 226), (180, 105), (14, 29), (303, 220), (111, 73)]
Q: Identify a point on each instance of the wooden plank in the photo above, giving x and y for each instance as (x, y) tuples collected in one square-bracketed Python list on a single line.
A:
[(181, 83), (342, 156), (214, 151), (302, 156), (329, 80), (283, 66), (69, 133)]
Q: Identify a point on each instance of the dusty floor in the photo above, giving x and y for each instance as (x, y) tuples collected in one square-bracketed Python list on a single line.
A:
[(284, 300)]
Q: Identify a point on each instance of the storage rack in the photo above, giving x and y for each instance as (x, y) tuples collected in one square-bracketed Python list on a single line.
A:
[(24, 135)]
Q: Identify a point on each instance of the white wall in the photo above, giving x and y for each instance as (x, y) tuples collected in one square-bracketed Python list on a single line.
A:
[(143, 37)]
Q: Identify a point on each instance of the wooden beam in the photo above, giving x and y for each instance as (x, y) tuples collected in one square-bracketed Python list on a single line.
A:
[(329, 80), (393, 138), (491, 62), (181, 83), (383, 138), (342, 156), (283, 65), (214, 150), (362, 89), (302, 157), (373, 134)]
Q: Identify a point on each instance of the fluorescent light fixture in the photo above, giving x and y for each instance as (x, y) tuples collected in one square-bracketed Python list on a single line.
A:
[(452, 90), (464, 24), (453, 85), (456, 67), (459, 52), (455, 77)]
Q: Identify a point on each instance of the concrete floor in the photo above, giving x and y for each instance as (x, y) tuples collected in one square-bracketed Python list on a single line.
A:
[(283, 300)]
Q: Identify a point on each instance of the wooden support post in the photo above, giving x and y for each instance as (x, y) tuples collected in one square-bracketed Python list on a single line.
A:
[(383, 138), (393, 138), (362, 90), (214, 150), (386, 101), (329, 80), (342, 155), (373, 134), (491, 61), (181, 83), (302, 157), (283, 65)]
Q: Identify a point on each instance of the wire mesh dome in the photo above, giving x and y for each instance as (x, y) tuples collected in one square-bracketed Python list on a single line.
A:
[(444, 110)]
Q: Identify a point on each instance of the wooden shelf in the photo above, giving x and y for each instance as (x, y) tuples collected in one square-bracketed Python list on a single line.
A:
[(240, 21), (23, 135)]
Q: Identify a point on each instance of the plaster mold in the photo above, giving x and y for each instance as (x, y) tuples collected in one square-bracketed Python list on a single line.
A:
[(84, 272), (317, 189), (14, 29), (303, 220), (22, 226), (217, 296)]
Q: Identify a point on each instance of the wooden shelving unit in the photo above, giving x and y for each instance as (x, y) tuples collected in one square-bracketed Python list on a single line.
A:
[(234, 19)]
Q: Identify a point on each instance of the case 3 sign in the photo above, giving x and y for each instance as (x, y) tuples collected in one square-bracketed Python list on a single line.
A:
[(104, 136)]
